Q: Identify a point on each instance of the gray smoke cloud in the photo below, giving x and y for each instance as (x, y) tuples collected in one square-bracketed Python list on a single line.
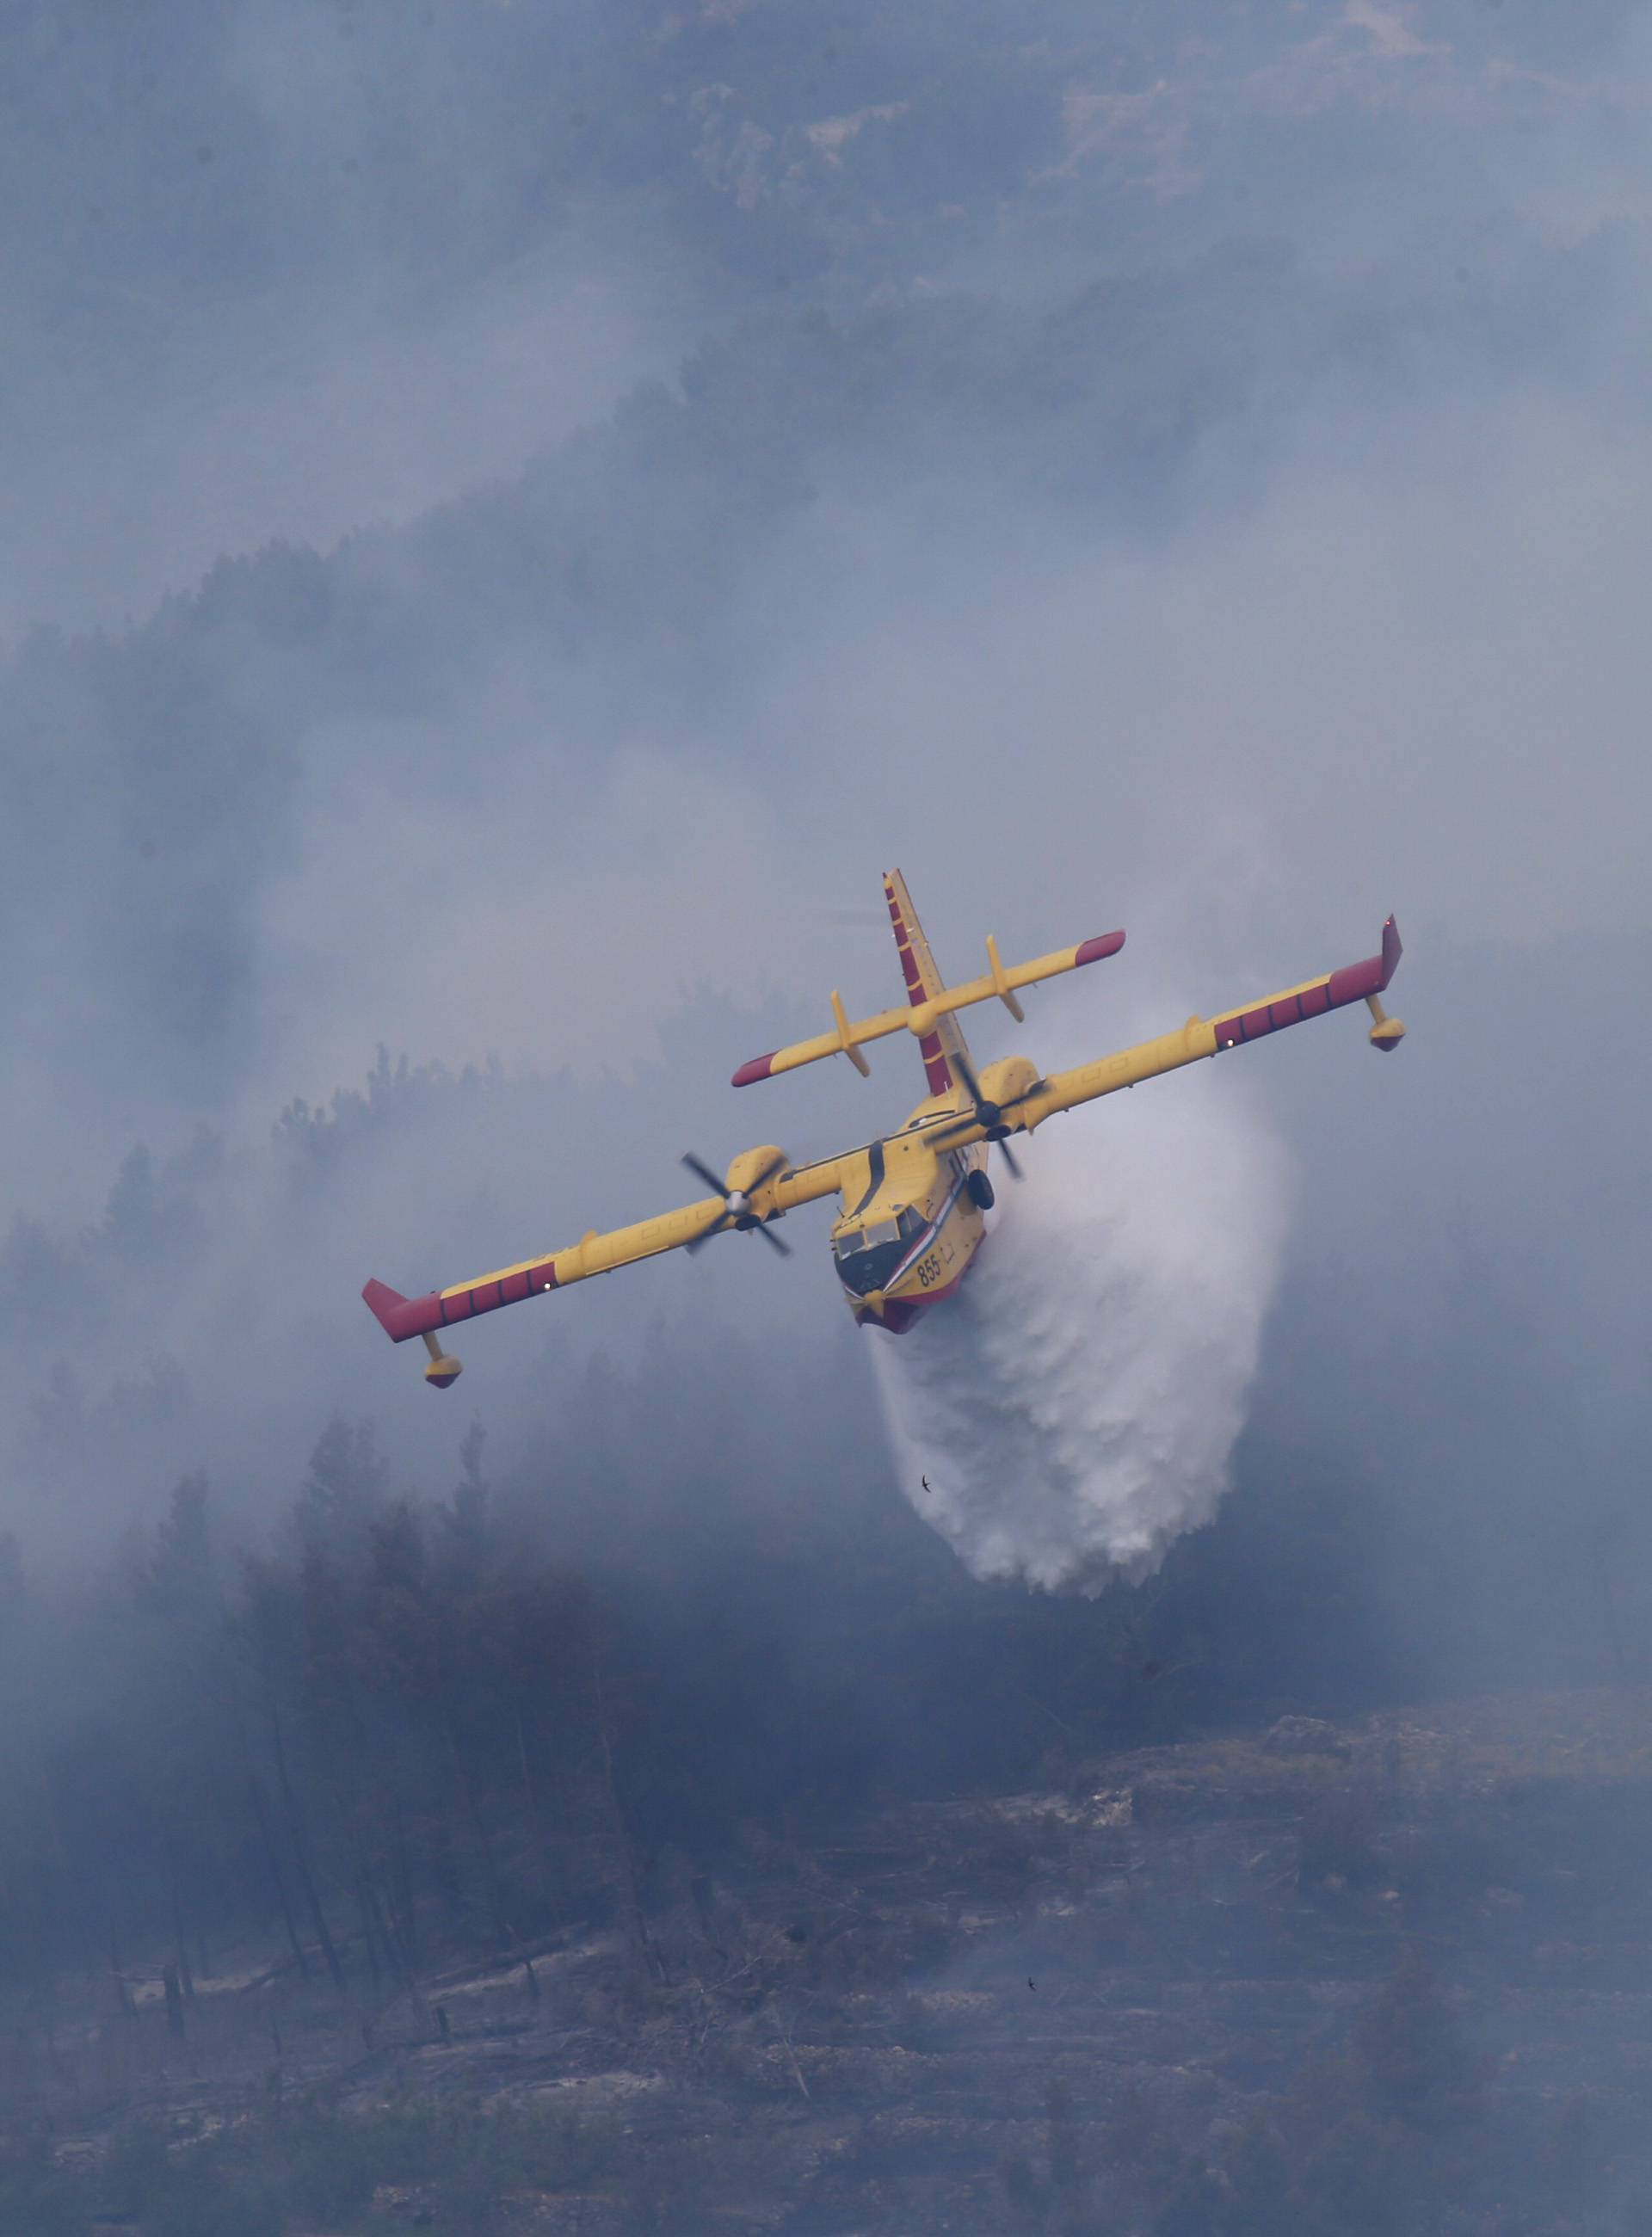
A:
[(1028, 508)]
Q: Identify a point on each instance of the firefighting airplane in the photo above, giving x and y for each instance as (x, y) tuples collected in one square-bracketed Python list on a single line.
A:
[(913, 1202)]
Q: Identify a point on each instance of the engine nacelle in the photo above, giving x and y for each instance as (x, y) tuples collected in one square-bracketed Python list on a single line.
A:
[(1003, 1082), (745, 1172)]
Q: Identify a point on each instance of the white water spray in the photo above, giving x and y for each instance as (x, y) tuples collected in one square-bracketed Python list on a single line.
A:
[(1074, 1409)]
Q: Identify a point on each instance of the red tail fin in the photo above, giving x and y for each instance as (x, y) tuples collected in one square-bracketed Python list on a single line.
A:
[(924, 980)]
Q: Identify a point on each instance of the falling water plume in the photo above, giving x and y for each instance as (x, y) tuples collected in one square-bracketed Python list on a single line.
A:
[(1075, 1409)]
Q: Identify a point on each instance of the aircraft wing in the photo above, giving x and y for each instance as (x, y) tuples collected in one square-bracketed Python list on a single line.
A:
[(1201, 1037), (761, 1186), (768, 1187)]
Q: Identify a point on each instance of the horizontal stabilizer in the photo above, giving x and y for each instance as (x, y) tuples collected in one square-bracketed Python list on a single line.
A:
[(999, 984)]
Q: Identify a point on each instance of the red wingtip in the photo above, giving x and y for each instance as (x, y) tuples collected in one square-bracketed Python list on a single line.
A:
[(1097, 950), (399, 1316), (1357, 982), (755, 1070), (1392, 952)]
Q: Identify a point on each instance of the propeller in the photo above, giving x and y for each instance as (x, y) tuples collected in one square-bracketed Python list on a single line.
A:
[(736, 1210), (989, 1117)]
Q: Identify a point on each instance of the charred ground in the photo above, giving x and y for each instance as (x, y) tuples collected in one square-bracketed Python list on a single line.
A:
[(401, 1870), (1368, 1978)]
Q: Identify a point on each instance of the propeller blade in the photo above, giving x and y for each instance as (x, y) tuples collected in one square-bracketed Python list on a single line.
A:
[(1015, 1172), (986, 1114), (703, 1172), (945, 1134), (769, 1236), (724, 1219)]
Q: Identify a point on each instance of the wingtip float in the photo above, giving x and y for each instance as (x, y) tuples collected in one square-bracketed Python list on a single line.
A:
[(911, 1204)]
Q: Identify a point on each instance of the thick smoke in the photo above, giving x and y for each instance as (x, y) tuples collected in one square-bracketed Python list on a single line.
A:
[(1218, 509), (1076, 1410)]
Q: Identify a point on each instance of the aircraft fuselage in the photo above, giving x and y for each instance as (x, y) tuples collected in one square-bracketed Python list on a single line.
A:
[(912, 1222)]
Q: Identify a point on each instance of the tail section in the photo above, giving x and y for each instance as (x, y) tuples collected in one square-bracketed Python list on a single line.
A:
[(931, 1011), (924, 982)]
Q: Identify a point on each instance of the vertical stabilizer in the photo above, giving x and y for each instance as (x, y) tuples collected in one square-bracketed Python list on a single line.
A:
[(923, 981)]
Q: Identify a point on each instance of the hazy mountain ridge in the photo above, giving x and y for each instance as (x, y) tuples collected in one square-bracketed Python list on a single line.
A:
[(156, 783)]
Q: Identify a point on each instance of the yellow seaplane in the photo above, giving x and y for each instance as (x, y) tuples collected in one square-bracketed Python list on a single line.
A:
[(911, 1211)]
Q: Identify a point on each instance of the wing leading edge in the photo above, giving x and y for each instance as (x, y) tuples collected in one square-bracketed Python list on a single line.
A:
[(1201, 1037), (762, 1187), (402, 1317)]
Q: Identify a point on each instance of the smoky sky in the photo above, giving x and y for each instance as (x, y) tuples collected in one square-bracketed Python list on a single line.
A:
[(519, 514), (279, 271)]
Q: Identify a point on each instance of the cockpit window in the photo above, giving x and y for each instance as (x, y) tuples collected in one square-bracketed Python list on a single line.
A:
[(868, 1255), (906, 1224)]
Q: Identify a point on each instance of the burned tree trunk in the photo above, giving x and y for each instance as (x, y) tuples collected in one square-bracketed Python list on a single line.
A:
[(296, 1834)]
